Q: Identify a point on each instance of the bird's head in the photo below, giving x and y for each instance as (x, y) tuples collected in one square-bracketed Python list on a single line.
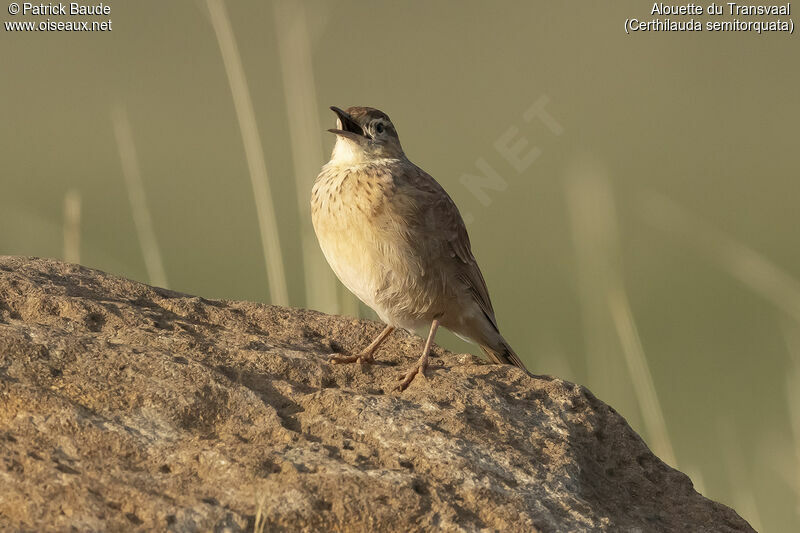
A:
[(364, 134)]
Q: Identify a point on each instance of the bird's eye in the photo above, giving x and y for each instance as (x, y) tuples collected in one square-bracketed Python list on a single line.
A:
[(379, 128)]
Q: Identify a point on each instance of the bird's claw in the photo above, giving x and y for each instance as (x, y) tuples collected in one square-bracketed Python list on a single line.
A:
[(358, 358), (408, 377)]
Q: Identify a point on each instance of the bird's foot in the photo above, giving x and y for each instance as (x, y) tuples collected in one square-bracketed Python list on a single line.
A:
[(406, 379), (363, 358)]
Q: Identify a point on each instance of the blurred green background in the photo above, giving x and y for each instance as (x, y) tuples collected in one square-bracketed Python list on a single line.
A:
[(648, 247)]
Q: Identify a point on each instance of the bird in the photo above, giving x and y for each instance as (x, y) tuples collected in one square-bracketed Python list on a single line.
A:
[(396, 240)]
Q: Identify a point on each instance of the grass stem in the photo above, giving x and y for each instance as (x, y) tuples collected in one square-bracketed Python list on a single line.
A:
[(135, 188), (299, 89), (72, 227), (259, 179)]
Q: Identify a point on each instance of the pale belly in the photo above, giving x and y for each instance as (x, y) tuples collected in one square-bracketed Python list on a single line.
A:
[(357, 254), (352, 259)]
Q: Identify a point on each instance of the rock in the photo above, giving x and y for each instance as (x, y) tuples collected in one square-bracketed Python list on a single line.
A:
[(128, 407)]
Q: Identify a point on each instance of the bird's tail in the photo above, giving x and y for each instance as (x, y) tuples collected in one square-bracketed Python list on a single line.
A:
[(502, 353)]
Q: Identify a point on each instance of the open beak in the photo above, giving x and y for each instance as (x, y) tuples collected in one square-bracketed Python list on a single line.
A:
[(347, 127)]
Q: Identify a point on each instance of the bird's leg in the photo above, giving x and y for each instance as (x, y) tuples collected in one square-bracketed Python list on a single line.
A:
[(420, 366), (368, 355)]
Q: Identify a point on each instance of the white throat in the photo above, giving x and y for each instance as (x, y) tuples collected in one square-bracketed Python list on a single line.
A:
[(347, 152)]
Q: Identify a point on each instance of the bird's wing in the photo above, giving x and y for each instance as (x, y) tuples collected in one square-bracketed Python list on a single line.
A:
[(440, 215)]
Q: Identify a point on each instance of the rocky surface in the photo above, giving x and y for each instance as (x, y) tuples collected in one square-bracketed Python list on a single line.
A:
[(128, 407)]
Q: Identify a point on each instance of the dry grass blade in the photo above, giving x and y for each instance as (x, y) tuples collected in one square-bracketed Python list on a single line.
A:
[(265, 207), (751, 268), (590, 210), (135, 188), (641, 377), (761, 276), (743, 499), (294, 47), (72, 227), (260, 523), (590, 201)]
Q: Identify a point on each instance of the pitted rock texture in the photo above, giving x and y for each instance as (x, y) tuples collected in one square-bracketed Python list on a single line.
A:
[(125, 407)]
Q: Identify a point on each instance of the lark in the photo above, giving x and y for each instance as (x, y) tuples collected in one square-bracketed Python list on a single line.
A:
[(396, 240)]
